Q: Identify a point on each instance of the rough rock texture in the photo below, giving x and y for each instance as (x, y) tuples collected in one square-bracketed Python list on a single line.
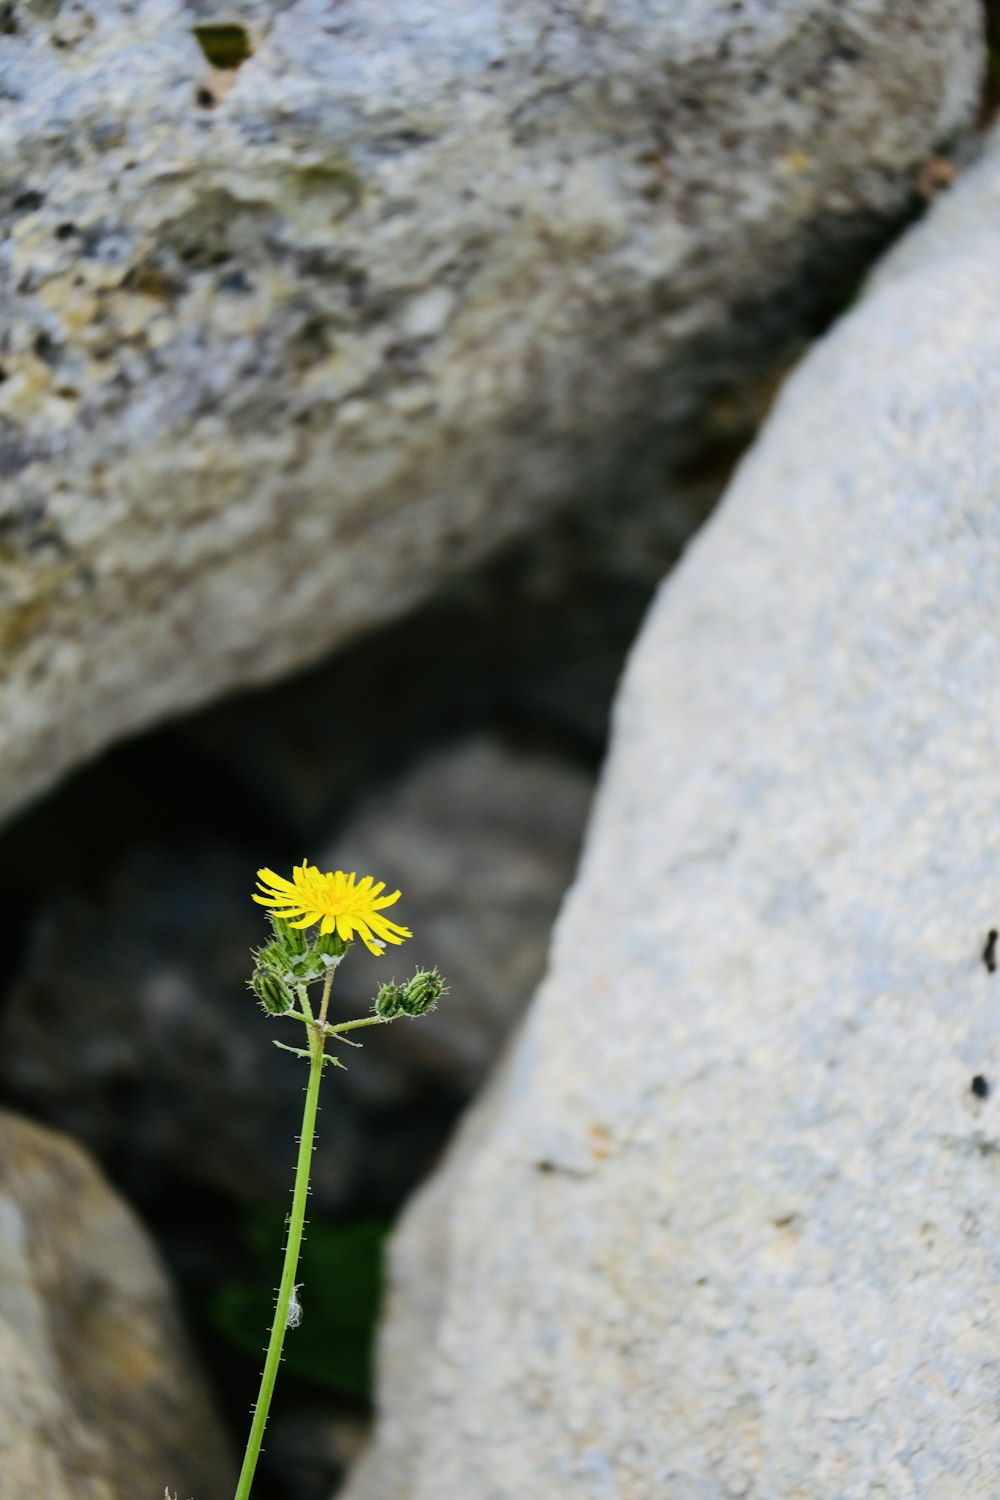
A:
[(287, 340), (99, 1395), (726, 1226), (131, 1024)]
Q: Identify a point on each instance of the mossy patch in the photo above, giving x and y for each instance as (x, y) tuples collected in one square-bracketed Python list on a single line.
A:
[(225, 45)]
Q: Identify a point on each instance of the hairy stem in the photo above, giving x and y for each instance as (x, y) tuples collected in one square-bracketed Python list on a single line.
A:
[(292, 1246), (353, 1025)]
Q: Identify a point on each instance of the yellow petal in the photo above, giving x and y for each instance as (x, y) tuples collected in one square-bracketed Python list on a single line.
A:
[(386, 900), (394, 932), (280, 904), (370, 943), (276, 882)]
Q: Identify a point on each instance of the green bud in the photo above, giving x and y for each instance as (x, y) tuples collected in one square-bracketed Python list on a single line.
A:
[(272, 956), (422, 993), (389, 1001), (331, 946), (291, 940), (297, 958), (272, 991), (300, 958)]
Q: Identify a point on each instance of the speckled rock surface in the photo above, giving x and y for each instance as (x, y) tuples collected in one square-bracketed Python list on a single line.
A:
[(727, 1224), (285, 343), (99, 1395)]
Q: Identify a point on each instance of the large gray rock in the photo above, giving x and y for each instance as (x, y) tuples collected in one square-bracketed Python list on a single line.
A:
[(99, 1395), (726, 1225), (285, 343)]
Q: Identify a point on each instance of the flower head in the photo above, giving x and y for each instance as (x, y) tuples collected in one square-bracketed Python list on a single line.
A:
[(338, 902)]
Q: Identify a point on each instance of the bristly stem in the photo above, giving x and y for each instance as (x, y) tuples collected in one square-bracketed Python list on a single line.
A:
[(353, 1025), (292, 1244)]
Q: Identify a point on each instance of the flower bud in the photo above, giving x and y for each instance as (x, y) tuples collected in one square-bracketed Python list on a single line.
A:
[(272, 991), (292, 940), (330, 945), (389, 1001), (272, 956), (422, 992)]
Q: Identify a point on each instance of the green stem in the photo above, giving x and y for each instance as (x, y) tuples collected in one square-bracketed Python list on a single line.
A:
[(353, 1025), (292, 1247)]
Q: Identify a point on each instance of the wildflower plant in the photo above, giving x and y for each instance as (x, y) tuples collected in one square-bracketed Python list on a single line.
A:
[(314, 918)]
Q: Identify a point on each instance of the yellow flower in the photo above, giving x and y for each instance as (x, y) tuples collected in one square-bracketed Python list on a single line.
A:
[(339, 903)]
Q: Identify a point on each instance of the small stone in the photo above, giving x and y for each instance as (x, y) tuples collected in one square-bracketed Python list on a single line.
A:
[(99, 1390)]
